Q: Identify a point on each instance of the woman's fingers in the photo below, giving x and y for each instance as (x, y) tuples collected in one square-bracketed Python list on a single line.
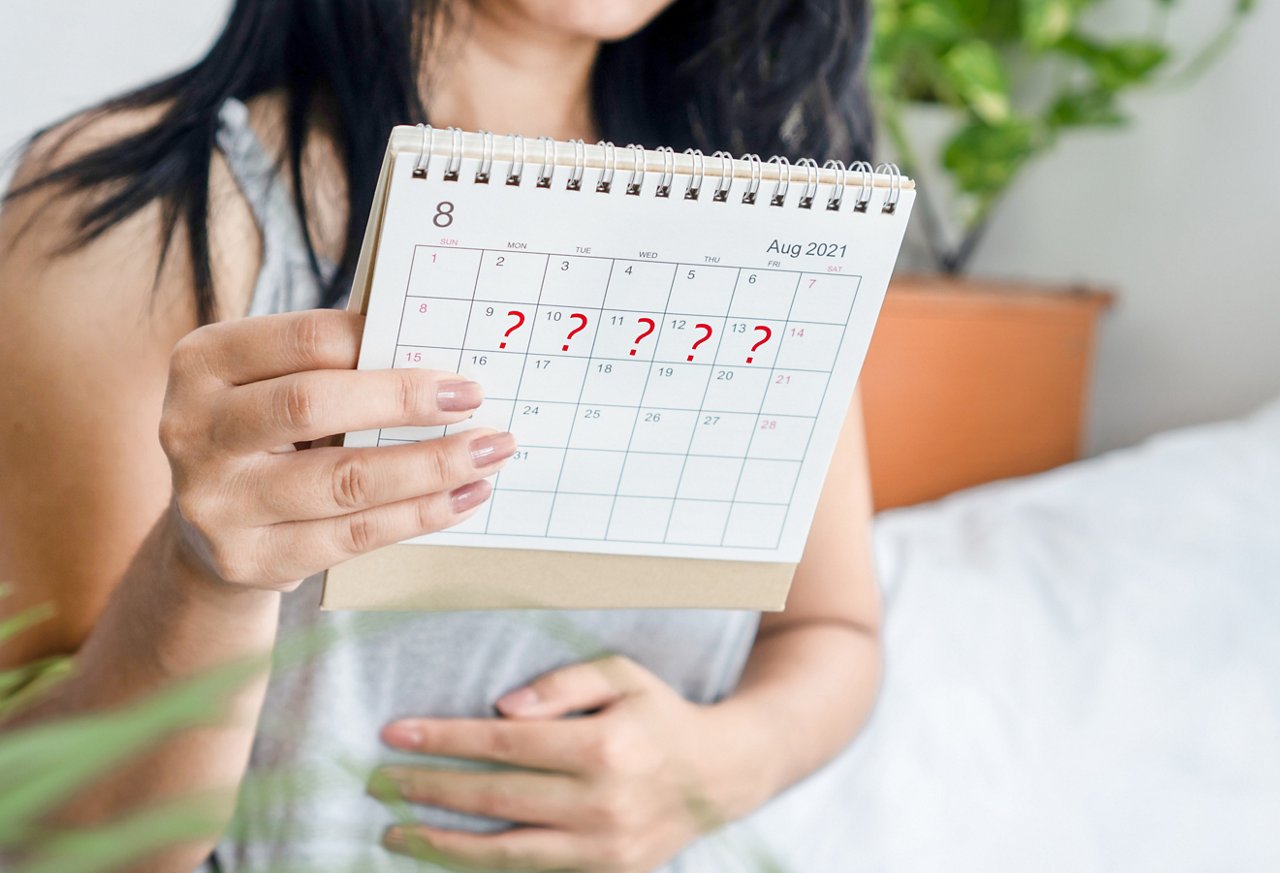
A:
[(522, 796), (522, 849), (562, 745), (254, 516), (302, 548), (327, 482), (253, 349), (306, 406)]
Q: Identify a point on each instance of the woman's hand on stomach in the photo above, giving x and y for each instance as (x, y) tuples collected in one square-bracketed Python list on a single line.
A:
[(254, 505), (621, 789)]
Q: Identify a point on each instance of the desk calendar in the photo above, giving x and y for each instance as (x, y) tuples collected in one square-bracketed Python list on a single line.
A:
[(674, 341)]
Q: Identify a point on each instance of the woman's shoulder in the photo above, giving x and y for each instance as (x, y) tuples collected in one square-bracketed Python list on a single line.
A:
[(45, 250), (322, 169)]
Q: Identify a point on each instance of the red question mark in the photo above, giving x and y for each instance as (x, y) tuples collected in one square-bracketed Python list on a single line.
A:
[(767, 333), (519, 321), (565, 347), (652, 325), (706, 336)]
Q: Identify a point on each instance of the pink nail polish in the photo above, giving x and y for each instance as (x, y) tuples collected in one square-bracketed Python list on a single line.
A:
[(402, 735), (492, 448), (470, 496), (518, 700), (458, 395)]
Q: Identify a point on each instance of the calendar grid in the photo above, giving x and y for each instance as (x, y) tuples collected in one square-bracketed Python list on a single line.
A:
[(625, 360), (475, 286), (618, 539), (741, 317), (844, 335), (785, 330), (398, 441), (576, 407), (570, 493), (587, 257), (524, 363), (648, 372), (693, 433), (650, 466), (404, 306)]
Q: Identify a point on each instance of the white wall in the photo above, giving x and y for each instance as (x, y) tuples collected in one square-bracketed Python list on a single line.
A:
[(1180, 214), (57, 57), (1194, 255)]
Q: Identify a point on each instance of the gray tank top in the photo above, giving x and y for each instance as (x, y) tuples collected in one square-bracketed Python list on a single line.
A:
[(303, 805)]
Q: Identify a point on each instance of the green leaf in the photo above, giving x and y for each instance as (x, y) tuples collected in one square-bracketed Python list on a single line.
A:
[(1044, 22), (936, 22), (984, 158), (975, 73), (1091, 108), (101, 850), (15, 624), (45, 764), (1117, 64)]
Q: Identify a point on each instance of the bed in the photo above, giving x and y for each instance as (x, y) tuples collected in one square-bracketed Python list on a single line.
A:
[(1083, 673)]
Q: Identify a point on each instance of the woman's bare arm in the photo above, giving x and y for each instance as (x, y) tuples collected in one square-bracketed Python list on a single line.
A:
[(84, 485), (148, 488), (814, 671)]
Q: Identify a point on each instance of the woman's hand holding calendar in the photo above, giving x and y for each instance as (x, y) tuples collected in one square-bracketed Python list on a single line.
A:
[(619, 790), (249, 508)]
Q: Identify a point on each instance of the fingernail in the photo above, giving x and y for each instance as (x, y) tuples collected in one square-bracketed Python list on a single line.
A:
[(458, 395), (520, 699), (393, 838), (402, 735), (492, 448), (470, 496), (383, 785)]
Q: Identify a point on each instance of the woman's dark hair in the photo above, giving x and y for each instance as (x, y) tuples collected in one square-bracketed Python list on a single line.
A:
[(772, 77)]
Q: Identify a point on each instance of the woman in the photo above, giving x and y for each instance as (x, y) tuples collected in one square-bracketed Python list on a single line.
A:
[(149, 251)]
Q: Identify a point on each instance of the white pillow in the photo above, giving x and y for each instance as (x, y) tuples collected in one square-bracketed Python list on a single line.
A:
[(1083, 673)]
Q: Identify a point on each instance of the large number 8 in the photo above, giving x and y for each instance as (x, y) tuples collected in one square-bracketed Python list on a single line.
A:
[(444, 214)]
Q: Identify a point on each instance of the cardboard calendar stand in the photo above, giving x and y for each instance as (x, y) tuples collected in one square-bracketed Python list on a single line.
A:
[(424, 576)]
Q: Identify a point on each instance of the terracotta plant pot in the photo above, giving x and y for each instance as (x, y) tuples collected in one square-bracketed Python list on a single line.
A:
[(967, 381)]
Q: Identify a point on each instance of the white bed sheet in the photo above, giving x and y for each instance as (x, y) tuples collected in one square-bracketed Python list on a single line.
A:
[(1083, 673)]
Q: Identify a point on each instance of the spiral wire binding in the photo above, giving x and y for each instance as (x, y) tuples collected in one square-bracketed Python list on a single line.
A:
[(810, 189), (605, 182), (579, 165), (454, 165), (782, 186), (423, 163), (836, 200), (692, 190), (895, 187), (637, 167), (865, 176), (668, 171), (516, 171), (721, 194), (486, 158), (697, 174), (753, 182), (547, 168)]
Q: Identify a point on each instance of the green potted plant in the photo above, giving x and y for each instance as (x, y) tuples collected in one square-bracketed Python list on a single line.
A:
[(970, 380), (1002, 81)]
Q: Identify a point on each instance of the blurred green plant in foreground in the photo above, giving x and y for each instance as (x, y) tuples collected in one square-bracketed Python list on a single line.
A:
[(1015, 75), (44, 765)]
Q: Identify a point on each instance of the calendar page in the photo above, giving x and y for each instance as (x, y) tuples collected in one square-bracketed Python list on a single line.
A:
[(676, 371)]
